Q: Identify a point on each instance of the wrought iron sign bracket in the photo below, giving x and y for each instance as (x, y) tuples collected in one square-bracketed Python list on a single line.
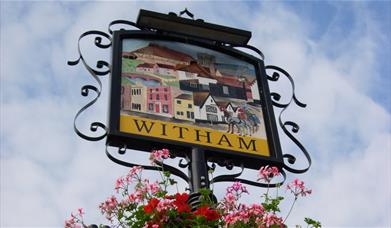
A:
[(196, 160)]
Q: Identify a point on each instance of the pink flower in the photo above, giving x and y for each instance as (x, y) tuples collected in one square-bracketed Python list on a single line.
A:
[(132, 198), (119, 183), (109, 207), (164, 205), (267, 173), (76, 220), (159, 155), (272, 219), (154, 187), (237, 187), (165, 153), (230, 198), (134, 171), (297, 188), (81, 212), (69, 223), (256, 209)]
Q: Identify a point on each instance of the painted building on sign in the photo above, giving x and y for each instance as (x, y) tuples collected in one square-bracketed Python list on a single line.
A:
[(195, 71), (156, 68), (206, 109), (159, 100), (192, 88), (154, 53), (126, 97), (184, 107), (139, 97)]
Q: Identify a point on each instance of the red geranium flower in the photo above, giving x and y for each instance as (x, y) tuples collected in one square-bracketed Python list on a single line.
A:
[(210, 214), (151, 205), (181, 202)]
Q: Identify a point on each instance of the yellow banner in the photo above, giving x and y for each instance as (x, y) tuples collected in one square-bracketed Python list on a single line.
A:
[(191, 134)]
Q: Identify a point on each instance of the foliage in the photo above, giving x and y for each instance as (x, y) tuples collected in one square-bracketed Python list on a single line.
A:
[(151, 206)]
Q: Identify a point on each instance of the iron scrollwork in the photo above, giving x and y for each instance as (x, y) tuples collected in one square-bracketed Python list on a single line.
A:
[(294, 127), (104, 40), (160, 166), (95, 73), (252, 48), (102, 68)]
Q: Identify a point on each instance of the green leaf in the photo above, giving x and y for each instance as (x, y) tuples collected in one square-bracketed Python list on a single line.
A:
[(205, 191), (313, 223), (273, 205), (166, 173), (172, 181)]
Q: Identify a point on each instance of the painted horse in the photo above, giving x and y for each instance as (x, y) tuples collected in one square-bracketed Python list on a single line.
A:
[(237, 122)]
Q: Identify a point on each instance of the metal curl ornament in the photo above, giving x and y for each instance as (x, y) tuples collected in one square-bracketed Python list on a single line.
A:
[(294, 127), (228, 164), (184, 165), (123, 22), (95, 73), (160, 166), (211, 167), (98, 42), (252, 48)]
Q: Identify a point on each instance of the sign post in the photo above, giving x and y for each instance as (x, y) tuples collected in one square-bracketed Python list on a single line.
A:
[(182, 84)]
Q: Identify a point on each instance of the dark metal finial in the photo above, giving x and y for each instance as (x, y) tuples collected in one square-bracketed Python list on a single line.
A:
[(187, 12)]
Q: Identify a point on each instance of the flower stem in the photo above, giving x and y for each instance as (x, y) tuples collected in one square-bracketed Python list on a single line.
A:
[(290, 210)]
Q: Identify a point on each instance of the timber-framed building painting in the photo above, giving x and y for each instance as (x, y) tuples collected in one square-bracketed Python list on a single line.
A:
[(190, 93)]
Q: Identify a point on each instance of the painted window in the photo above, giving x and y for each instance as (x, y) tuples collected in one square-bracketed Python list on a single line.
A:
[(211, 117), (210, 108), (193, 85), (190, 115), (225, 90), (205, 87), (165, 108), (136, 106)]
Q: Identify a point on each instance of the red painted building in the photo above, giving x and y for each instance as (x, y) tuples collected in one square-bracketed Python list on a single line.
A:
[(159, 100)]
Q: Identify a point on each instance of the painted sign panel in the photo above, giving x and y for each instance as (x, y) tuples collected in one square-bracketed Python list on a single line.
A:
[(185, 93)]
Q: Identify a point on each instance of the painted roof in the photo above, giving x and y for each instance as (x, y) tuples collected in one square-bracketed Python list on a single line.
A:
[(222, 104), (128, 54), (184, 96), (234, 81), (190, 80), (194, 67), (146, 65), (233, 69), (165, 66), (199, 98), (161, 51)]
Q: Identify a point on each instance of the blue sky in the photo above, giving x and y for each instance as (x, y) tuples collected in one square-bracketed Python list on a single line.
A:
[(338, 53)]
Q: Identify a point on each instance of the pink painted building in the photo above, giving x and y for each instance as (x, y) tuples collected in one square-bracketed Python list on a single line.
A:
[(159, 100)]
